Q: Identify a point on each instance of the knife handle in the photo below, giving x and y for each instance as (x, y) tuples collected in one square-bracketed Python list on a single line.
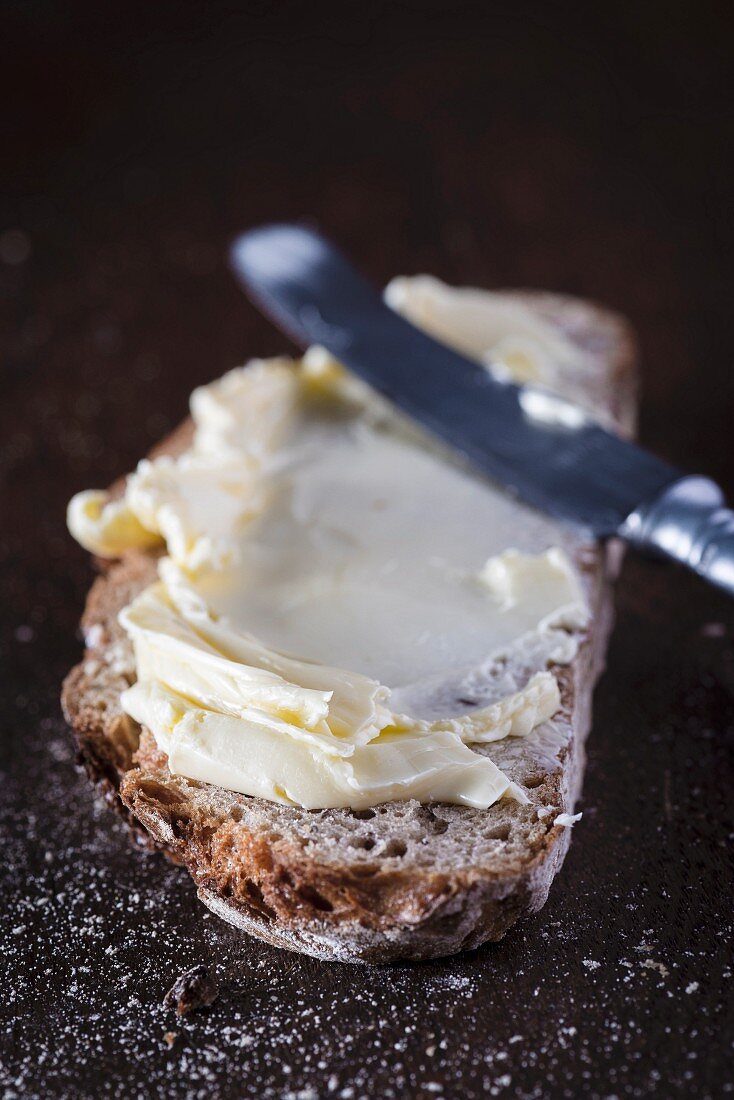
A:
[(689, 523)]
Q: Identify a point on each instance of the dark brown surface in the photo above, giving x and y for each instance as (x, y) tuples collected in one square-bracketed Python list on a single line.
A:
[(496, 144)]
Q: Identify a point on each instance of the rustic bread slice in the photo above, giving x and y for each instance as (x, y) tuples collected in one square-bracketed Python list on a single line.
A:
[(402, 880)]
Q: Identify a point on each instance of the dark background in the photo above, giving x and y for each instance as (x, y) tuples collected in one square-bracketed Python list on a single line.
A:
[(573, 148)]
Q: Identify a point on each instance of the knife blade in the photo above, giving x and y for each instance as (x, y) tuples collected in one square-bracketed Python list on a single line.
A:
[(540, 447)]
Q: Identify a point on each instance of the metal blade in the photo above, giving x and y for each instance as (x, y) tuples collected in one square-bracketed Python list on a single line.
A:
[(538, 446)]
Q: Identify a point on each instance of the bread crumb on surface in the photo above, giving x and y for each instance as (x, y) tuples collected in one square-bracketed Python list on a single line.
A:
[(652, 964), (196, 988)]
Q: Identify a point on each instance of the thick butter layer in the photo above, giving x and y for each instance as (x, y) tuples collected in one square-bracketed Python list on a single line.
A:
[(310, 531), (257, 755), (543, 585), (501, 332), (107, 527), (370, 555), (228, 711)]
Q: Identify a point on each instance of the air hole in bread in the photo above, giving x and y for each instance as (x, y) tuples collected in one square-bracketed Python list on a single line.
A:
[(158, 792), (236, 813), (366, 843), (312, 897), (364, 815), (205, 834), (255, 893), (500, 832), (396, 848), (125, 736), (437, 825), (533, 781), (365, 870)]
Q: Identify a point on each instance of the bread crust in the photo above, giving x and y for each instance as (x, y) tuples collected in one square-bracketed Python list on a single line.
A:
[(321, 883)]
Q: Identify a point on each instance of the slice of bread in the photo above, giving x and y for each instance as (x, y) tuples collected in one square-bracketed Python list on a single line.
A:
[(402, 880)]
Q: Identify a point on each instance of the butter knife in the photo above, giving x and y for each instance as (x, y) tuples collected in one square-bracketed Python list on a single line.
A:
[(540, 447)]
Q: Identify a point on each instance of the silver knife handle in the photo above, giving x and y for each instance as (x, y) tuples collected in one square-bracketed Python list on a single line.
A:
[(688, 522)]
